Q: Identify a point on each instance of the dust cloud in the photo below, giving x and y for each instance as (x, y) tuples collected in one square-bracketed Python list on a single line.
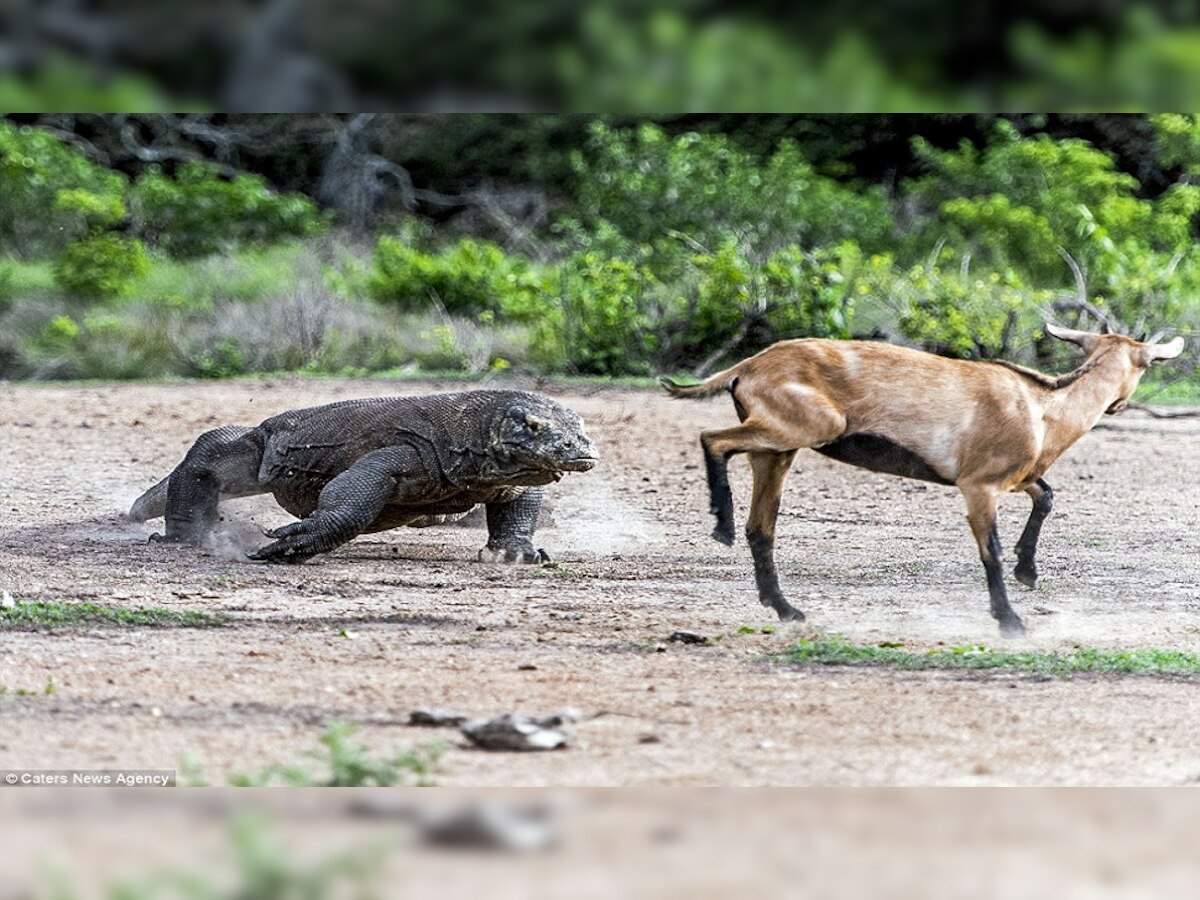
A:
[(589, 516)]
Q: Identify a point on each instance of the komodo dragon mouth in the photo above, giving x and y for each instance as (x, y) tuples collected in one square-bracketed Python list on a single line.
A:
[(578, 463)]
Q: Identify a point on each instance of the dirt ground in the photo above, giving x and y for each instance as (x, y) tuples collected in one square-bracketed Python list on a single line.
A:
[(407, 619)]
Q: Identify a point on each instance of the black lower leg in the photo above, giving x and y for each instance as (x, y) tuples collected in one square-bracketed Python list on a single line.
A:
[(762, 549), (1026, 571), (1002, 611), (511, 525), (192, 498), (720, 496)]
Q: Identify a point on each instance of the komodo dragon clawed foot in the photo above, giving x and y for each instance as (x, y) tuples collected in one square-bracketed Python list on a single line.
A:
[(294, 543), (526, 554)]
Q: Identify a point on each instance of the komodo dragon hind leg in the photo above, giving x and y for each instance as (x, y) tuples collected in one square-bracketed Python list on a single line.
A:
[(510, 530), (222, 461)]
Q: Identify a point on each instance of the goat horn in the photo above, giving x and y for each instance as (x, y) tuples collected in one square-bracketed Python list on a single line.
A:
[(1084, 339), (1166, 351)]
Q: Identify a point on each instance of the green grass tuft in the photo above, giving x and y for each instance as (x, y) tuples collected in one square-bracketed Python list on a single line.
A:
[(350, 766), (27, 615), (837, 651)]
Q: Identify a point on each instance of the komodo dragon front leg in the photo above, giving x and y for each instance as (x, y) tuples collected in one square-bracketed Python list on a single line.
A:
[(349, 504), (510, 529)]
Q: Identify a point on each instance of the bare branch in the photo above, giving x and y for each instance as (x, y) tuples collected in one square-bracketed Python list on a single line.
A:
[(1077, 273)]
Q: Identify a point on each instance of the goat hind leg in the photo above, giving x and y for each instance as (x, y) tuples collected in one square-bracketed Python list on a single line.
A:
[(770, 469), (719, 446), (720, 502), (1043, 501), (981, 514)]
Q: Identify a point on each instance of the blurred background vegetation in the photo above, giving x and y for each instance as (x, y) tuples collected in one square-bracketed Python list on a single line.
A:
[(605, 55), (212, 245)]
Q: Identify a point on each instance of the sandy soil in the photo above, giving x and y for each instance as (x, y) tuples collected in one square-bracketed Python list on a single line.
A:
[(407, 619)]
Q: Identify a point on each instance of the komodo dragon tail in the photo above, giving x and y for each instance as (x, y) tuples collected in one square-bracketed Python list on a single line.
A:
[(151, 504), (722, 381)]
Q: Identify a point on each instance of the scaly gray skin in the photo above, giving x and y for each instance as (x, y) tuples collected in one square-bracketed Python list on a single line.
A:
[(359, 466)]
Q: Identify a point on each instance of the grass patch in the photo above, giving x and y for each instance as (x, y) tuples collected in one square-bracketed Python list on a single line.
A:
[(348, 765), (837, 651), (245, 274), (26, 615)]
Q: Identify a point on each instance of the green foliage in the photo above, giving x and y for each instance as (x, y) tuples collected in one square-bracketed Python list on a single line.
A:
[(811, 294), (101, 266), (664, 60), (837, 651), (1018, 199), (93, 212), (34, 168), (350, 766), (199, 212), (655, 190), (952, 312), (606, 324), (470, 277), (62, 85)]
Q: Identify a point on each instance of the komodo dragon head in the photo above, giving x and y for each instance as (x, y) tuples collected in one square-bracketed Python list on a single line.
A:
[(537, 433)]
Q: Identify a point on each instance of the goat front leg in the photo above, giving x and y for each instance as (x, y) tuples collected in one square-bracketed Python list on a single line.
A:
[(981, 514), (1043, 501), (769, 469)]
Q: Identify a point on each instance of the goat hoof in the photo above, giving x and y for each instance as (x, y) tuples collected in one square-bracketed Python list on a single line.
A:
[(789, 613), (1011, 628), (1027, 576), (724, 534)]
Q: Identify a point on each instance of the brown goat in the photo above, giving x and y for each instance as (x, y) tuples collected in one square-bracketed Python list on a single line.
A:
[(985, 427)]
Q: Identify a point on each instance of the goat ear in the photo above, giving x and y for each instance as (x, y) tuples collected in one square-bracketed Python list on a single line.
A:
[(1084, 339), (1169, 350)]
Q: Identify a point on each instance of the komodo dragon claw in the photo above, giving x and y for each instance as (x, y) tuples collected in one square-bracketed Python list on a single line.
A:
[(514, 555)]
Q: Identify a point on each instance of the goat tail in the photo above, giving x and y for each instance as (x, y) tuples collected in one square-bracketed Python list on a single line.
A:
[(710, 387), (151, 504)]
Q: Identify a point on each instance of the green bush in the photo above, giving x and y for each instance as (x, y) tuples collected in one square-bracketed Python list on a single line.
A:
[(35, 167), (468, 278), (198, 212), (605, 319), (665, 195), (971, 317), (1016, 201), (102, 266), (812, 294)]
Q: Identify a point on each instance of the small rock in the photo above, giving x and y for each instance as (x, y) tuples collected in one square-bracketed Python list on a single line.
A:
[(7, 601), (512, 732), (436, 717), (526, 667), (554, 720), (491, 826), (660, 648), (649, 739), (688, 637)]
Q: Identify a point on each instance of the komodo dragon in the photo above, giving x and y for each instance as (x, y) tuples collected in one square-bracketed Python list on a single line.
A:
[(368, 465)]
